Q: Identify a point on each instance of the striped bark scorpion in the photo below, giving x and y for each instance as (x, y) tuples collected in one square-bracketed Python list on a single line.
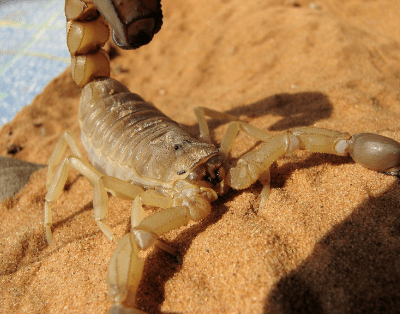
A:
[(140, 154)]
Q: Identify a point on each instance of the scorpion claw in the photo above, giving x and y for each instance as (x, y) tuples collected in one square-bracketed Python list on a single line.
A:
[(375, 152)]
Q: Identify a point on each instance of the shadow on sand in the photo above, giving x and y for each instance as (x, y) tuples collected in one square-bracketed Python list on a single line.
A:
[(295, 110), (355, 268)]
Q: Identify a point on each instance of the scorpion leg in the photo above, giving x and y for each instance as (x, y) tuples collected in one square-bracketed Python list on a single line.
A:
[(68, 139), (201, 113), (265, 179), (101, 184), (118, 188), (58, 182), (232, 131), (125, 268)]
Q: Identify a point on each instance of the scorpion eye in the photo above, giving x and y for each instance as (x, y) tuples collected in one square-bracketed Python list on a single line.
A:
[(180, 145)]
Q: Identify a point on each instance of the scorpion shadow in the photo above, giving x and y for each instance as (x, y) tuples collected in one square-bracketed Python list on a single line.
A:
[(354, 268), (300, 109), (295, 110)]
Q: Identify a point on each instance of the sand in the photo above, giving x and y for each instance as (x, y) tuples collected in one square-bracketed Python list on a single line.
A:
[(328, 238)]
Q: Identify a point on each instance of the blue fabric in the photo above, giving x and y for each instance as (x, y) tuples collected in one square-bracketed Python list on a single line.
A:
[(32, 51)]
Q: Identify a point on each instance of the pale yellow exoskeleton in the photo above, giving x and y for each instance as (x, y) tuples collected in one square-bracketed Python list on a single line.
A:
[(138, 153)]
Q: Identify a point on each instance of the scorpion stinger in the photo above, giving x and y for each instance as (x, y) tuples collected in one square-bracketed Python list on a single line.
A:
[(138, 153), (133, 23)]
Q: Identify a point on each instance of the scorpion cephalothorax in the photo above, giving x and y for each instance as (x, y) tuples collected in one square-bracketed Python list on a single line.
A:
[(139, 153)]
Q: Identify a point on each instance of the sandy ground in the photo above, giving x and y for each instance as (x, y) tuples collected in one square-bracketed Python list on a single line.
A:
[(328, 238)]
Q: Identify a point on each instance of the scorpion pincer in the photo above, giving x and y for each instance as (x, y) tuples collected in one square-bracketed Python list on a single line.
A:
[(138, 153)]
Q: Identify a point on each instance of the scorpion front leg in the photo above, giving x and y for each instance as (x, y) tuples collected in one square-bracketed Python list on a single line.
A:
[(372, 151), (126, 267)]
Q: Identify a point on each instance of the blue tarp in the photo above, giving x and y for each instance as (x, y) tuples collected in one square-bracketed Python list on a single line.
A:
[(32, 51)]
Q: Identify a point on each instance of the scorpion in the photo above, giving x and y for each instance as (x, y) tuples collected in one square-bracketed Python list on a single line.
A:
[(138, 153)]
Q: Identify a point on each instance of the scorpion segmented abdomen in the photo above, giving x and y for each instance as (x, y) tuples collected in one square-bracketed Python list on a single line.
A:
[(118, 127)]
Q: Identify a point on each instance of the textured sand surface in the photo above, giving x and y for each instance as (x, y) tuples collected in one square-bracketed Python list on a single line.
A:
[(328, 238)]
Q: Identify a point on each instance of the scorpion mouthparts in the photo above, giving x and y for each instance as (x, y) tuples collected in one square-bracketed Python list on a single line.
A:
[(214, 174)]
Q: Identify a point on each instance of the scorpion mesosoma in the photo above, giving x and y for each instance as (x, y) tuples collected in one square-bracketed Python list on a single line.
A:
[(140, 154)]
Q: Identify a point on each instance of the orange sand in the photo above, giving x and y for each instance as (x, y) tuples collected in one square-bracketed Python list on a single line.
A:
[(328, 239)]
